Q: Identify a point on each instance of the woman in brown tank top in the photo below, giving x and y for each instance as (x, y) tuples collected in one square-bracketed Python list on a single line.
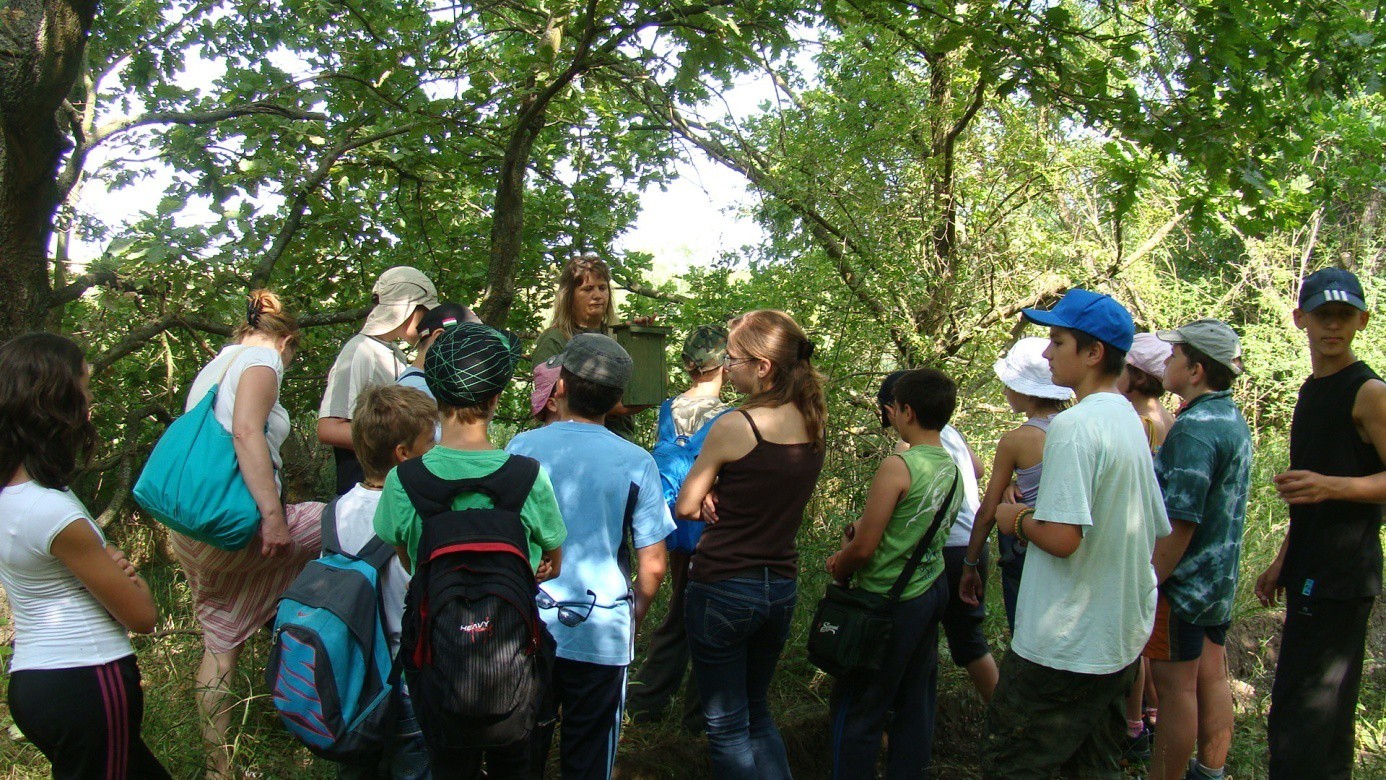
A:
[(750, 484)]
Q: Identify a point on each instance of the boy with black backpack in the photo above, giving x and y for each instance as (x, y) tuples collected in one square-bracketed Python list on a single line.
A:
[(479, 529), (610, 490)]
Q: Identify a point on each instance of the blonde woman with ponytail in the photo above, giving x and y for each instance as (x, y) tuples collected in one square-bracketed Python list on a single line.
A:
[(234, 592), (750, 484)]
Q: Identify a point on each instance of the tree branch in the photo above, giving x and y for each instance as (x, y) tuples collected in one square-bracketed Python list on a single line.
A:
[(1054, 290), (265, 268), (834, 242), (259, 107), (640, 288), (102, 277), (335, 317), (132, 342)]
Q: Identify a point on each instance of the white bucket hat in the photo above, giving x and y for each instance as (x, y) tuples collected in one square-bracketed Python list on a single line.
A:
[(397, 293), (1149, 353), (1025, 371)]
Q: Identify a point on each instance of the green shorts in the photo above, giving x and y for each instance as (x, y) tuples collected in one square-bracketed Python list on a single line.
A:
[(1042, 720)]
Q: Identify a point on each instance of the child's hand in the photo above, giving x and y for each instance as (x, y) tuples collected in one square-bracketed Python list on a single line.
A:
[(1011, 495), (545, 571), (970, 587), (120, 560), (832, 563), (1268, 588)]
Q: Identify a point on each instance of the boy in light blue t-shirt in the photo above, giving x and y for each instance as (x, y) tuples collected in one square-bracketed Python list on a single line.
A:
[(607, 488)]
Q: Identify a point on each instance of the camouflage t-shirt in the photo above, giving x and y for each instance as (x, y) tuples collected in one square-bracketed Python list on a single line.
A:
[(691, 414), (1204, 469)]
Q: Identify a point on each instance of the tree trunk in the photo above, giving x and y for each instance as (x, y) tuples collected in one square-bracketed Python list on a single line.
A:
[(41, 48), (508, 221)]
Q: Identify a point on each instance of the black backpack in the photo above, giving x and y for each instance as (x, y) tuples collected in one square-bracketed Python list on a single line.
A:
[(475, 652)]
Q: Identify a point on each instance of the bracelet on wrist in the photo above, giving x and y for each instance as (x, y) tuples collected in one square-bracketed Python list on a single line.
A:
[(973, 564), (1020, 524)]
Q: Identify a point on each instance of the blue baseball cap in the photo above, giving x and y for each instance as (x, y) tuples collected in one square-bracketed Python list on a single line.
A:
[(1331, 285), (1092, 313)]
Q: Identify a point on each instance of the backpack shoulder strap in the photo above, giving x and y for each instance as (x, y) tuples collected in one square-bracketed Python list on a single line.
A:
[(508, 486), (696, 440), (330, 542), (665, 430), (377, 553)]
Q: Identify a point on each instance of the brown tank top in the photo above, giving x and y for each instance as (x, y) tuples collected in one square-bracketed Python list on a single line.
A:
[(760, 506)]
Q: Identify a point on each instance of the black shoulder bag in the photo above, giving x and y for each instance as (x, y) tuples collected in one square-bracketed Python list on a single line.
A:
[(851, 627)]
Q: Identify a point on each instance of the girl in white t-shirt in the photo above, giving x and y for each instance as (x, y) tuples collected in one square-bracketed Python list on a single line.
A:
[(74, 685)]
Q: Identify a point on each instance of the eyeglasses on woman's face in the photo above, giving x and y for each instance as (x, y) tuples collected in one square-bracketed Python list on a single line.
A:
[(731, 362)]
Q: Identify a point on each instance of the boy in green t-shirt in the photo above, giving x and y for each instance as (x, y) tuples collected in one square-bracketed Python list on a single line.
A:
[(906, 495), (467, 368)]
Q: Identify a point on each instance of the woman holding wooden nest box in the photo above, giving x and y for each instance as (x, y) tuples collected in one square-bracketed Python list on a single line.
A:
[(584, 304)]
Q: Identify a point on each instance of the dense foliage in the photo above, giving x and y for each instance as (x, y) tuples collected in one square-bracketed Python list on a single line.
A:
[(925, 169)]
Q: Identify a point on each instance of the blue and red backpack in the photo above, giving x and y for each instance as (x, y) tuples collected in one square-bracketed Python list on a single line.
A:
[(330, 674)]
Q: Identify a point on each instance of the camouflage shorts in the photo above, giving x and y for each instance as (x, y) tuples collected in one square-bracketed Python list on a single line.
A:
[(1044, 720)]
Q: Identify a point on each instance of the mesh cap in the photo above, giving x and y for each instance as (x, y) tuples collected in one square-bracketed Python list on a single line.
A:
[(470, 363)]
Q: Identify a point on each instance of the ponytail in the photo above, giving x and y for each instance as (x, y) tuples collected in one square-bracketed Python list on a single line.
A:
[(774, 336), (265, 314)]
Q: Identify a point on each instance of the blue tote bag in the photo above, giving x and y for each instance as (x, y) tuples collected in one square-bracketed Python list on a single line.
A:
[(192, 482)]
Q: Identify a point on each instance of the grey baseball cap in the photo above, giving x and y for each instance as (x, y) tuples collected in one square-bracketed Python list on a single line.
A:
[(598, 359), (1214, 338)]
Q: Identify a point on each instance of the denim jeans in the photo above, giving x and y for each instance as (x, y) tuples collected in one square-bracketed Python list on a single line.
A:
[(1011, 564), (736, 630), (407, 758)]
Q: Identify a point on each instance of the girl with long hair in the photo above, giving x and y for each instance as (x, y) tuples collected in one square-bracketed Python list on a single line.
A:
[(751, 482), (235, 591), (74, 684)]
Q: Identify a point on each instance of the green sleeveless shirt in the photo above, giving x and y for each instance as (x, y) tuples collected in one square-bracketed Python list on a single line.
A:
[(931, 474)]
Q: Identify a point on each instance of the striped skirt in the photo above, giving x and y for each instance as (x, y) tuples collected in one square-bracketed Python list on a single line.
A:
[(235, 592)]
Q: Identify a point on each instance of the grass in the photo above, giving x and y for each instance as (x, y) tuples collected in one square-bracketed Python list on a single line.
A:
[(663, 749)]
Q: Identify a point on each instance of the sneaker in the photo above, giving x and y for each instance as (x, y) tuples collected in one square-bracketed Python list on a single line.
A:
[(1136, 750), (1195, 774)]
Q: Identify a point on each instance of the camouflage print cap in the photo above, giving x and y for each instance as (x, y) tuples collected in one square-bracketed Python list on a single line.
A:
[(470, 363), (705, 347)]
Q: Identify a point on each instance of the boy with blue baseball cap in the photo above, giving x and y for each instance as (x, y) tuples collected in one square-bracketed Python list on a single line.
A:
[(1087, 602), (1329, 566)]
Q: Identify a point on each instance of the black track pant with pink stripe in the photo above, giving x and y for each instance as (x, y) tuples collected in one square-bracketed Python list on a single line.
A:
[(86, 720)]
